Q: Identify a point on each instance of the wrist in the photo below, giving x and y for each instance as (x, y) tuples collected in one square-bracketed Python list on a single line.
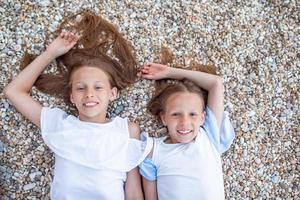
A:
[(175, 73), (50, 54)]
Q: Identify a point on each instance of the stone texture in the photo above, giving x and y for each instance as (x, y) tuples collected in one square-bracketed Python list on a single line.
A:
[(254, 44)]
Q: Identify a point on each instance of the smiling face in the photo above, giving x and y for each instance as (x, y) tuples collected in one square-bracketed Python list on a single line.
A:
[(91, 93), (183, 115)]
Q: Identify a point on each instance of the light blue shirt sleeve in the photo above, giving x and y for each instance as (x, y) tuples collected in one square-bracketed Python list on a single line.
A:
[(221, 137), (148, 169)]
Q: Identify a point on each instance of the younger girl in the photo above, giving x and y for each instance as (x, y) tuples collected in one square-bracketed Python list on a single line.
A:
[(186, 164), (94, 156)]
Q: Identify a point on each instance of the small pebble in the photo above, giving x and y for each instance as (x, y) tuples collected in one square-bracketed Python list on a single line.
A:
[(29, 186)]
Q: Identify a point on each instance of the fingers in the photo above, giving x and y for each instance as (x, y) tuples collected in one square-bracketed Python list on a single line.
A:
[(150, 64), (149, 67), (69, 36), (142, 73), (148, 76), (144, 76), (146, 66), (153, 65), (62, 35), (145, 70), (73, 37)]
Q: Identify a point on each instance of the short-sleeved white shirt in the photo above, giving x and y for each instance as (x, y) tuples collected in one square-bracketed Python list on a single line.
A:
[(91, 159), (191, 171)]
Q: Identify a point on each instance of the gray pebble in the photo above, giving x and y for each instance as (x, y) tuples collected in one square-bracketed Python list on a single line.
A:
[(2, 147)]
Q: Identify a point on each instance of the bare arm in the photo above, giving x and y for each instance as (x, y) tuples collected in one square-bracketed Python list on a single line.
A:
[(133, 186), (150, 187), (212, 83), (150, 190), (18, 90), (133, 189)]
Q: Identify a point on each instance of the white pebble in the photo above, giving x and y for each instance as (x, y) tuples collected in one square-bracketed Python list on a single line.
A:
[(29, 186)]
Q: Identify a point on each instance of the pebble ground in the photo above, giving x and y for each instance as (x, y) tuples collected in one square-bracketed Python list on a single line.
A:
[(254, 44)]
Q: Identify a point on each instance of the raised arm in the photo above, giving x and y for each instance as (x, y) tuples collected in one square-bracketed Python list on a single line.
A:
[(212, 83), (18, 90)]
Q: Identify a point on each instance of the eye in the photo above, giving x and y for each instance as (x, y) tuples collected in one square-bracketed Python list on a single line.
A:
[(80, 88), (175, 114), (193, 114), (98, 87)]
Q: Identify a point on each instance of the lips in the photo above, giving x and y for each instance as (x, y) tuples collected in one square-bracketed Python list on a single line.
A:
[(90, 104)]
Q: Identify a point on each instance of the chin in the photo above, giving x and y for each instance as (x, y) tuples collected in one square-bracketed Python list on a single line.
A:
[(191, 139), (186, 141)]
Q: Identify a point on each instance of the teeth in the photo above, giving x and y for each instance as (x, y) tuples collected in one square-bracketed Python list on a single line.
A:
[(90, 104), (184, 132)]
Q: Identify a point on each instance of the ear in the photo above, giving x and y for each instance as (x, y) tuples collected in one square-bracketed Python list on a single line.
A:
[(203, 117), (163, 118), (71, 98), (113, 94)]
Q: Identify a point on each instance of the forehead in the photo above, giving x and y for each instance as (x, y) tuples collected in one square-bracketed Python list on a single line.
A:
[(87, 73), (184, 100)]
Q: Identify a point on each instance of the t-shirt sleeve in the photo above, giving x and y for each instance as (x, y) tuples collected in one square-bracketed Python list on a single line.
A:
[(51, 119), (221, 137), (148, 169)]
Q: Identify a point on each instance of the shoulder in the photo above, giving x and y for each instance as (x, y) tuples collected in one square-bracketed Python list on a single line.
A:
[(53, 111), (52, 119), (220, 136), (52, 114), (134, 130), (157, 142)]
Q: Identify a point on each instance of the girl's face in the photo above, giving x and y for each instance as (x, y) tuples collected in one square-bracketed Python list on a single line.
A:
[(91, 93), (183, 115)]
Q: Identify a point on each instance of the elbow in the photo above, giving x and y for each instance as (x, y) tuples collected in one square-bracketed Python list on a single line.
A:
[(7, 91), (219, 80), (10, 92), (219, 85), (134, 130)]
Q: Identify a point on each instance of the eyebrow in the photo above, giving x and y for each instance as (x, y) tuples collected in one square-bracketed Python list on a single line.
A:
[(81, 82)]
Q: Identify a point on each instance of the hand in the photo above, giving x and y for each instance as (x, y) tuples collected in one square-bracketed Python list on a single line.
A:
[(62, 44), (154, 71)]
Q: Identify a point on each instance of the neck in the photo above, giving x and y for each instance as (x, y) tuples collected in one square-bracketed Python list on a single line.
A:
[(169, 140), (96, 119)]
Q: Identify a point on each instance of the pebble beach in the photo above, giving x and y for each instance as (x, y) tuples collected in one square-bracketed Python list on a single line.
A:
[(255, 46)]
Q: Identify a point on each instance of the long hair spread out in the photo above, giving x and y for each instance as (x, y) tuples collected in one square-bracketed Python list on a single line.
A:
[(164, 88), (99, 45)]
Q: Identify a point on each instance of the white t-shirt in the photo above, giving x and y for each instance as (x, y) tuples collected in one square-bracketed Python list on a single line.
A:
[(91, 159), (191, 171)]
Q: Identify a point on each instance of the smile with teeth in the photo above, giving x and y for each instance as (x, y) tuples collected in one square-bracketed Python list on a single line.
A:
[(90, 104), (184, 132)]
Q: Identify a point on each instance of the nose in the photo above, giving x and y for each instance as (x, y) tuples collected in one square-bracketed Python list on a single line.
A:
[(89, 93), (184, 120)]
